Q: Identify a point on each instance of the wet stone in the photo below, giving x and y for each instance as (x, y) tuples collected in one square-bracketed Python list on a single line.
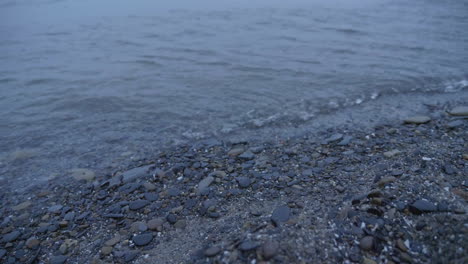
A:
[(334, 137), (58, 259), (422, 206), (248, 245), (248, 155), (151, 197), (459, 111), (143, 239), (130, 255), (135, 173), (10, 237), (420, 119), (366, 243), (270, 249), (243, 182), (171, 218), (212, 251), (280, 215), (138, 204)]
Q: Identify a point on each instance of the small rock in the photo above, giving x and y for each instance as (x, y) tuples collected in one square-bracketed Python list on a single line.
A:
[(212, 251), (391, 153), (247, 155), (334, 137), (135, 173), (401, 245), (366, 243), (10, 237), (270, 249), (139, 226), (386, 180), (368, 261), (151, 196), (459, 111), (420, 119), (2, 253), (82, 174), (22, 206), (58, 259), (171, 218), (248, 245), (156, 224), (204, 184), (243, 182), (113, 241), (143, 239), (55, 209), (448, 169), (422, 206), (180, 224), (130, 255), (138, 204), (454, 124), (32, 243), (106, 250), (280, 215), (149, 186), (236, 151)]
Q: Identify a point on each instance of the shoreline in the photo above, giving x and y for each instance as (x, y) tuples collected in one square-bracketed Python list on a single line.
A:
[(364, 194)]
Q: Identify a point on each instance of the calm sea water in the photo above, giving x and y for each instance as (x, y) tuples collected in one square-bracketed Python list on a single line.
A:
[(94, 83)]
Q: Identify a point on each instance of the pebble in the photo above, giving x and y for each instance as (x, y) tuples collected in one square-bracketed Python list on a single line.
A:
[(204, 184), (270, 249), (454, 124), (212, 251), (280, 215), (247, 155), (368, 261), (32, 243), (58, 259), (459, 111), (106, 250), (12, 236), (171, 218), (419, 119), (151, 196), (149, 186), (138, 204), (386, 180), (366, 243), (422, 206), (82, 174), (334, 137), (22, 206), (248, 245), (135, 173), (156, 224), (180, 224), (55, 209), (243, 182), (143, 239), (113, 241), (391, 153), (236, 151), (401, 245), (2, 253)]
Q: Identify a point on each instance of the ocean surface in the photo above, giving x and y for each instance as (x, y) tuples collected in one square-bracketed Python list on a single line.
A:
[(97, 84)]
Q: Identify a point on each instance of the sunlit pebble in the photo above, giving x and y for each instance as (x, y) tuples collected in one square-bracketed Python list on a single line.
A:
[(374, 96), (180, 178), (359, 101), (426, 159)]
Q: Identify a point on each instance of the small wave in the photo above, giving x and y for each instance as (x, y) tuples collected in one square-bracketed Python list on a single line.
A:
[(40, 81), (451, 87)]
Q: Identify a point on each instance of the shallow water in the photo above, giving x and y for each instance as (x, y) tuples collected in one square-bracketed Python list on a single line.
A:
[(94, 83)]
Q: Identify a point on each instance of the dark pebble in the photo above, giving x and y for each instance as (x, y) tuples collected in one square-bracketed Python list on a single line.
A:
[(366, 243), (422, 206), (280, 215), (69, 216), (10, 237), (58, 259), (171, 218), (212, 251), (151, 197), (174, 192), (448, 169), (143, 239), (130, 255), (248, 245), (248, 155), (138, 204), (2, 253), (55, 209), (270, 249), (243, 182)]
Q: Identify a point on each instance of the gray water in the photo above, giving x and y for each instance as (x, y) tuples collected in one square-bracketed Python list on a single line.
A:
[(97, 84)]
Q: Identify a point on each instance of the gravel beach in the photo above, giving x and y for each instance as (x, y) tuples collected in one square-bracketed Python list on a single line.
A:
[(395, 193)]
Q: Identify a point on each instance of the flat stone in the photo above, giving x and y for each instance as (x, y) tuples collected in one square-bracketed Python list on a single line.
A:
[(419, 119), (22, 206), (248, 245), (32, 243), (130, 255), (174, 192), (204, 184), (138, 204), (244, 182), (366, 243), (401, 245), (454, 124), (212, 251), (459, 111), (368, 261), (135, 173), (280, 215), (58, 259), (143, 239), (236, 151), (113, 241), (180, 224), (334, 137), (139, 226), (149, 186), (156, 224), (12, 236), (270, 249), (386, 180), (2, 253), (82, 174), (151, 196), (55, 209), (422, 206), (69, 216), (106, 250), (391, 153), (247, 155)]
